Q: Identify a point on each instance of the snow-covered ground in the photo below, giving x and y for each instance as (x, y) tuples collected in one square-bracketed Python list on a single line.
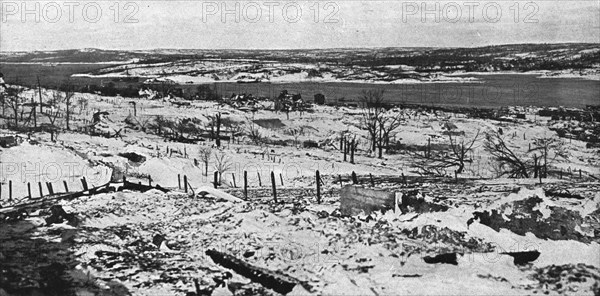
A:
[(112, 249)]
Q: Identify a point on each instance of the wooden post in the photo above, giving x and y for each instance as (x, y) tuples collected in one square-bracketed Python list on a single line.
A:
[(0, 191), (50, 189), (273, 185), (66, 186), (318, 181), (540, 175), (245, 185), (354, 178), (179, 181), (233, 176), (352, 148), (29, 189), (281, 178), (9, 190), (579, 173), (84, 183), (340, 178), (372, 181), (404, 179), (428, 147), (185, 184), (259, 181), (561, 173), (216, 179), (345, 149), (149, 180), (41, 191)]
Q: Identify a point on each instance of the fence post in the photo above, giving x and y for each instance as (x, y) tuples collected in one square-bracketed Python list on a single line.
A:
[(84, 183), (41, 191), (354, 178), (579, 173), (216, 179), (9, 190), (0, 191), (281, 178), (179, 181), (233, 176), (318, 181), (245, 185), (372, 181), (340, 178), (29, 190), (50, 189), (273, 184), (149, 180), (185, 184), (66, 186), (259, 181)]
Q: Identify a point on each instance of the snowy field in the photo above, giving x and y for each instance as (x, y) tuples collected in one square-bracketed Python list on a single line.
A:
[(111, 247)]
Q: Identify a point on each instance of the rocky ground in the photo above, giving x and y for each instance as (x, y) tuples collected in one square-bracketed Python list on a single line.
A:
[(155, 243)]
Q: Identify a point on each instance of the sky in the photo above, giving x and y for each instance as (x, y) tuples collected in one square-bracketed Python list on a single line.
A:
[(192, 24)]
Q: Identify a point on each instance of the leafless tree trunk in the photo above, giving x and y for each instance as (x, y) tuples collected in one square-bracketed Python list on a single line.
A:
[(205, 153), (14, 101), (377, 121), (513, 165), (457, 157)]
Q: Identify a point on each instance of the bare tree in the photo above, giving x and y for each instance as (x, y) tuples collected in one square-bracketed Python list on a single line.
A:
[(254, 133), (214, 124), (372, 111), (222, 164), (511, 163), (296, 133), (14, 101), (82, 103), (378, 121), (456, 157), (205, 154), (68, 100), (387, 123), (550, 150)]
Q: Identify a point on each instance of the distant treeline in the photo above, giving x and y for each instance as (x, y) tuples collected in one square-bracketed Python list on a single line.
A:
[(516, 57)]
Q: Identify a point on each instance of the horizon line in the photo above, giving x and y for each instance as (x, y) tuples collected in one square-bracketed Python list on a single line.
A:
[(311, 49)]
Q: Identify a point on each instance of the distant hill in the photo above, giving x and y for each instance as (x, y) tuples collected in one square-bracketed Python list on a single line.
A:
[(515, 57)]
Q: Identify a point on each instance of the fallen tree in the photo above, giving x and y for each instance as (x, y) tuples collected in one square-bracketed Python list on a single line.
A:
[(278, 282)]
